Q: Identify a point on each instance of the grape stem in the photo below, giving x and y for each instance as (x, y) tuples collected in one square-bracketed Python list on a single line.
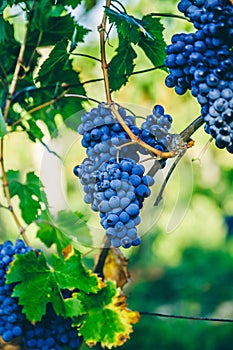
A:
[(102, 31), (172, 168), (185, 136), (136, 139), (191, 128), (39, 107)]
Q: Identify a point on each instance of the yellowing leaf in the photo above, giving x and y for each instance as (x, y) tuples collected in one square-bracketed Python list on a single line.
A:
[(115, 267), (106, 318), (67, 251)]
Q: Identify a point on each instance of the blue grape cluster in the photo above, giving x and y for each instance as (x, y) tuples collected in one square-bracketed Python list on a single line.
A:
[(118, 193), (102, 135), (214, 14), (203, 63), (114, 184), (157, 127), (51, 333), (11, 317)]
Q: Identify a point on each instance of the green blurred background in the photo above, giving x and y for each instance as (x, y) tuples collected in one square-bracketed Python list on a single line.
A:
[(184, 265)]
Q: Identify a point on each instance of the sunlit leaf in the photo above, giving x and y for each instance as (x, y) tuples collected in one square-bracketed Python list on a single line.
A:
[(30, 193), (106, 319), (68, 226), (32, 272)]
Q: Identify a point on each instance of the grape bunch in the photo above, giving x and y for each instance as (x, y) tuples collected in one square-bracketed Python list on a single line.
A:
[(51, 333), (203, 63), (118, 193), (114, 184), (11, 317), (217, 13)]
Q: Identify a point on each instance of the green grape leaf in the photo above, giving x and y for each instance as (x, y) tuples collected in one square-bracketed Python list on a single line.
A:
[(67, 227), (72, 3), (57, 28), (73, 307), (54, 63), (3, 35), (128, 27), (63, 27), (78, 36), (154, 49), (106, 319), (41, 14), (3, 129), (30, 194), (34, 131), (9, 49), (72, 274), (31, 272), (121, 65)]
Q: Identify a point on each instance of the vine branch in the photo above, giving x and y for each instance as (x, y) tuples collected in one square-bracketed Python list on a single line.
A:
[(11, 92), (8, 196), (102, 30), (185, 136), (191, 128), (18, 66), (47, 103)]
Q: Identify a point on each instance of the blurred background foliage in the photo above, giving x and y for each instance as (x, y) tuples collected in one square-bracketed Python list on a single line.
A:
[(185, 262)]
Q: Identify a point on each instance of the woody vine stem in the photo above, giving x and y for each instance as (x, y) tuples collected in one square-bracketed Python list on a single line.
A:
[(11, 91)]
